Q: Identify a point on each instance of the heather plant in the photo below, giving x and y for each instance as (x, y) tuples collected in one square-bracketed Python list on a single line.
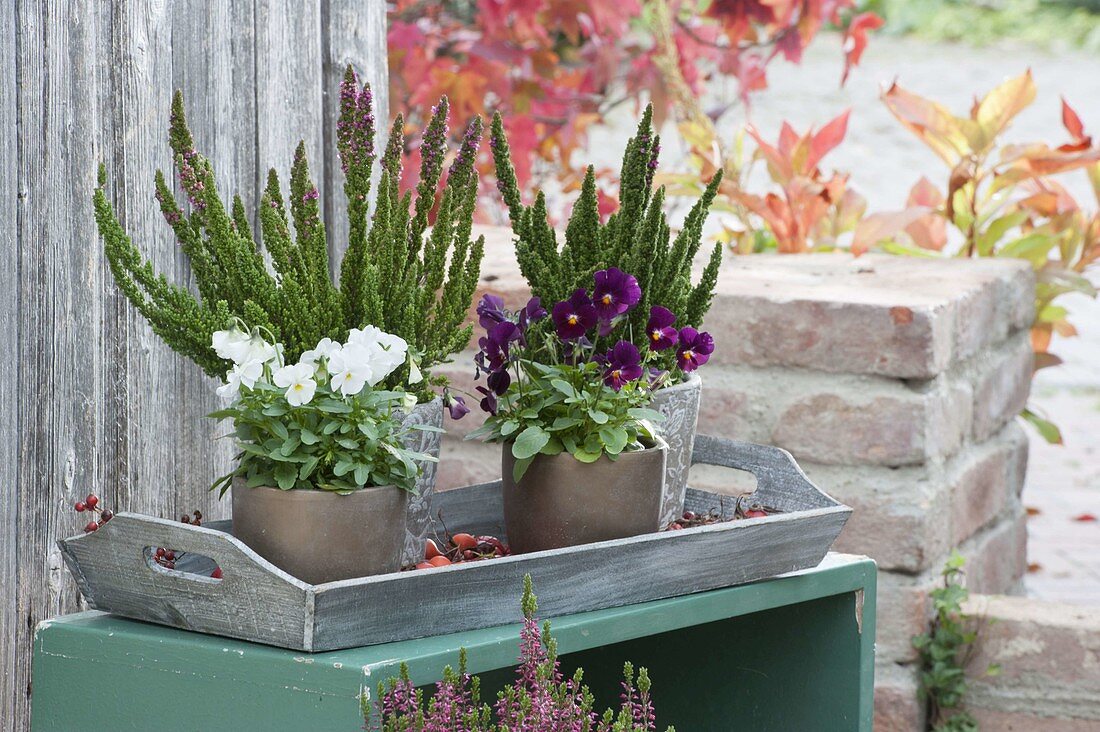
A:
[(540, 699), (581, 388), (635, 239), (394, 275)]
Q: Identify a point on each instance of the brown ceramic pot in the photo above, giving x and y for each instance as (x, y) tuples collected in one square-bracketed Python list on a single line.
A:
[(561, 501), (319, 536)]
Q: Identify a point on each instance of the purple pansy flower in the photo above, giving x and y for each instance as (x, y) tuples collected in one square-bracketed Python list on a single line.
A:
[(659, 329), (499, 381), (532, 311), (456, 405), (623, 365), (694, 349), (489, 401), (615, 293), (490, 311), (575, 316)]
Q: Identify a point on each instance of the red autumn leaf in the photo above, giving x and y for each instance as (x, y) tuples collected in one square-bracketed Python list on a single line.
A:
[(879, 227), (827, 138), (1073, 124), (1085, 518), (855, 40), (928, 231)]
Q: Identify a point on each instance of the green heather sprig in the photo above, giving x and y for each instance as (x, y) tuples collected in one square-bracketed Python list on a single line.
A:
[(635, 239), (394, 275)]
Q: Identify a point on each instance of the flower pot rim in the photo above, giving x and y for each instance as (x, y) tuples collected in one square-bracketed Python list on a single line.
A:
[(692, 381), (659, 445), (305, 492)]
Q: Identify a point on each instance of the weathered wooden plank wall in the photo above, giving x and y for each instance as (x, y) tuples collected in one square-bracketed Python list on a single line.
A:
[(93, 402)]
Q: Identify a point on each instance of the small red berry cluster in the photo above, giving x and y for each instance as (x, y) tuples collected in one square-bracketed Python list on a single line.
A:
[(102, 515), (461, 548), (167, 558), (690, 519)]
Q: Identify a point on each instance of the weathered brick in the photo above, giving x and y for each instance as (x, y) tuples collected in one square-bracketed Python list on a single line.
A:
[(897, 705), (997, 557), (983, 480), (904, 610), (1047, 652), (1002, 382), (897, 513)]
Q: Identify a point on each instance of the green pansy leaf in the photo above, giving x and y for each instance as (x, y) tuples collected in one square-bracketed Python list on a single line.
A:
[(530, 442)]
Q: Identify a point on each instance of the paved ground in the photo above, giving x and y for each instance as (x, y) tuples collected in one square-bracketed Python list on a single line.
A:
[(885, 160)]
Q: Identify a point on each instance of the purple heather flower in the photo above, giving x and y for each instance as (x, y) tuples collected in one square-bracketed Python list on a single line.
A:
[(659, 329), (456, 405), (694, 349), (615, 293), (490, 311), (623, 365), (575, 316), (489, 401)]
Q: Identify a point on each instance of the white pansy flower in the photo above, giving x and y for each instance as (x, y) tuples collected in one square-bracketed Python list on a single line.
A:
[(242, 374), (230, 344), (387, 351), (350, 369), (408, 401), (325, 348), (240, 347), (298, 382)]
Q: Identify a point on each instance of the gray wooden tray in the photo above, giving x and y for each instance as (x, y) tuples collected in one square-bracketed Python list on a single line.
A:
[(258, 602)]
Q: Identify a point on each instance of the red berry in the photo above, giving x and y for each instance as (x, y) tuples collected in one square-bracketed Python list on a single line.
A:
[(91, 500), (469, 554), (106, 515), (169, 555), (92, 526), (185, 519), (424, 565), (464, 541), (675, 526), (80, 507), (431, 549), (160, 552), (755, 513), (217, 573), (439, 561), (689, 515), (170, 565)]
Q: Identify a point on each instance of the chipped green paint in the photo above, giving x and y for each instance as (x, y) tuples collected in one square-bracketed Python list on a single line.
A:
[(779, 654)]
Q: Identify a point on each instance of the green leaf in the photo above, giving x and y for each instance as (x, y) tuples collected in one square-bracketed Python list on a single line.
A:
[(614, 439), (564, 387), (508, 427), (519, 468), (1046, 429), (286, 476), (586, 457), (530, 442), (308, 437), (598, 417), (308, 467)]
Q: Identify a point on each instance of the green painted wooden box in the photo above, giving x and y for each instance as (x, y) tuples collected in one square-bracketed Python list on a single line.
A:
[(791, 653)]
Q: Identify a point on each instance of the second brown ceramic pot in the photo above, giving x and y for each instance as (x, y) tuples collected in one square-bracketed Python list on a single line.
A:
[(319, 536), (561, 501)]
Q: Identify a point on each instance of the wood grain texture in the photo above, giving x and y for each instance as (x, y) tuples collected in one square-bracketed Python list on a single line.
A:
[(102, 405), (9, 365), (389, 607)]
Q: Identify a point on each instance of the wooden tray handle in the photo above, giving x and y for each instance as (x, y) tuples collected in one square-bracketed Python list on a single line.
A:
[(125, 537), (779, 480)]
